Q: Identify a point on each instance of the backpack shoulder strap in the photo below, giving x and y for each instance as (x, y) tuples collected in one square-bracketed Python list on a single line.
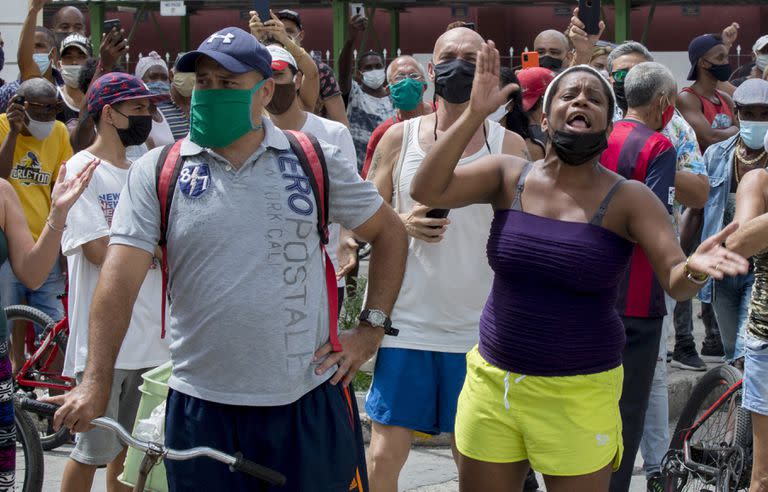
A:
[(312, 160), (310, 155), (167, 171)]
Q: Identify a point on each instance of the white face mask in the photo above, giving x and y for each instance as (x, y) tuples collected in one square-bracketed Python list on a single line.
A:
[(761, 61), (71, 75), (374, 78), (40, 129), (499, 113)]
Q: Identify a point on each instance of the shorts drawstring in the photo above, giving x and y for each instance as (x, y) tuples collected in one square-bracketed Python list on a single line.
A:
[(506, 391)]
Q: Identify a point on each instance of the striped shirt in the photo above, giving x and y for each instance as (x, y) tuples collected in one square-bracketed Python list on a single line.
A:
[(637, 152), (176, 119)]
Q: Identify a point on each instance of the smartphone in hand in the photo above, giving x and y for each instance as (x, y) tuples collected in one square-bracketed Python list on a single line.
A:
[(589, 14), (530, 59), (112, 28), (262, 8)]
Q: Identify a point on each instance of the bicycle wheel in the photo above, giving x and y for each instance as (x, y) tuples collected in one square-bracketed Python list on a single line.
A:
[(29, 452), (43, 323), (707, 391)]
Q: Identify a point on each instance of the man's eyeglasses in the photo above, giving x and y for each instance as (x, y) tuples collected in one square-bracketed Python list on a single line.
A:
[(43, 110), (620, 75), (402, 76)]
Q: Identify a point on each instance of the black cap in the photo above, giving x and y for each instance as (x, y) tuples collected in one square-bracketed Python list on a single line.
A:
[(291, 15)]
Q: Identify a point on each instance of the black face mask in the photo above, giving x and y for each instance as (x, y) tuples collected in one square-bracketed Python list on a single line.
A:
[(453, 80), (138, 130), (720, 72), (282, 99), (550, 62), (621, 97), (576, 149)]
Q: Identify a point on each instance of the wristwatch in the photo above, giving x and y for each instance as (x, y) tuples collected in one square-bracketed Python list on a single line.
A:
[(379, 319)]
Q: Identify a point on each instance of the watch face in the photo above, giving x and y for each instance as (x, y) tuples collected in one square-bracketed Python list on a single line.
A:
[(377, 318)]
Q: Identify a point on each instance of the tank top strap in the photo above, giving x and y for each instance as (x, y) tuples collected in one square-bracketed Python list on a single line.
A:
[(597, 219), (516, 202)]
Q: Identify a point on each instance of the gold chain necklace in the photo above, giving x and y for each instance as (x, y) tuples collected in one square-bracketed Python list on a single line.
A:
[(746, 162)]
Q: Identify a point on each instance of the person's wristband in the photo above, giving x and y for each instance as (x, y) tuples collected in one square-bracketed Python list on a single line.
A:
[(53, 227), (696, 278)]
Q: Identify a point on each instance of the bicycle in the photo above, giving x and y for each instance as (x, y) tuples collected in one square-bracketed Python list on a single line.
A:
[(38, 372), (154, 452), (30, 467), (711, 448)]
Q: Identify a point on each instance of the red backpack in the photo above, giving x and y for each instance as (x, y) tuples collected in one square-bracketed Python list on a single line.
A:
[(310, 155)]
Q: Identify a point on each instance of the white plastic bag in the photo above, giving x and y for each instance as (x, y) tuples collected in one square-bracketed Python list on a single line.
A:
[(152, 428)]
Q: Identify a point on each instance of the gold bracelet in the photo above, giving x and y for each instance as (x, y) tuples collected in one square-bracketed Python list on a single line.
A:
[(48, 221), (696, 278)]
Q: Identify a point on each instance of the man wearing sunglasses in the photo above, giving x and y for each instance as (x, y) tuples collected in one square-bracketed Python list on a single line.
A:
[(34, 145)]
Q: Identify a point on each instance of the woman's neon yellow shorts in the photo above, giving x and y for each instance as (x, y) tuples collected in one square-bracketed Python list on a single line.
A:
[(564, 426)]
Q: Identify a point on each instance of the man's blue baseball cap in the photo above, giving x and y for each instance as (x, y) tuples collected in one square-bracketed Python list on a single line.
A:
[(232, 48), (698, 48)]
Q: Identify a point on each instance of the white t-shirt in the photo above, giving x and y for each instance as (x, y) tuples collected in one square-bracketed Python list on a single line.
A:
[(337, 134), (91, 218), (161, 133)]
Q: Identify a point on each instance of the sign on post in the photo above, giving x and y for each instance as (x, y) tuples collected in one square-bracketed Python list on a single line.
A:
[(172, 8)]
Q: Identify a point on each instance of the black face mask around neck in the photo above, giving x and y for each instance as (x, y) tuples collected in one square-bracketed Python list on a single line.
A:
[(576, 149)]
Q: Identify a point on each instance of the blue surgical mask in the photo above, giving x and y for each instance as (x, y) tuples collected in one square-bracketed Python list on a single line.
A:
[(159, 87), (752, 133), (43, 61)]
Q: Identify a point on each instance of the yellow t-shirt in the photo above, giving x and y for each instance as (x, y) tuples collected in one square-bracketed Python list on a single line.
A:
[(34, 170)]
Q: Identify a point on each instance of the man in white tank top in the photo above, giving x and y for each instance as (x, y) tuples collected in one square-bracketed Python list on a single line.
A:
[(419, 373)]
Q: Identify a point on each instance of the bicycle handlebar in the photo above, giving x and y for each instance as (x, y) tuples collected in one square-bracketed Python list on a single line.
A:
[(236, 462)]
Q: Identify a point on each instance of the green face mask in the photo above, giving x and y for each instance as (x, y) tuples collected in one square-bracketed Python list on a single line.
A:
[(221, 116), (407, 93)]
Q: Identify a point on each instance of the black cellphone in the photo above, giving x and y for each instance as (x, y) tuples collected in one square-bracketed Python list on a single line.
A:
[(589, 14), (110, 25), (262, 8), (470, 25), (438, 213)]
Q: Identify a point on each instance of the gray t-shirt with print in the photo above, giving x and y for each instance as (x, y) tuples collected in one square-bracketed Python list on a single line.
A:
[(248, 303)]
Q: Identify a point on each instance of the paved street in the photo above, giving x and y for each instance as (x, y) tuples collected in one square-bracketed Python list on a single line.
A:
[(431, 469)]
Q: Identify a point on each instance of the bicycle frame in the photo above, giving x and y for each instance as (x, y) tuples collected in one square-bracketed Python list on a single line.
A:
[(725, 451), (43, 376)]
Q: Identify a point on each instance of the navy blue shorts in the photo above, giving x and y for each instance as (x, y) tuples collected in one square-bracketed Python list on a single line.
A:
[(416, 389), (316, 442)]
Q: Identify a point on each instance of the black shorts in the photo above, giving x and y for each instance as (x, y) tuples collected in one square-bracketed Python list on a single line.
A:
[(316, 442)]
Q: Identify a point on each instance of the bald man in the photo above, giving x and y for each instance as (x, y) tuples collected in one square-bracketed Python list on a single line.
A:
[(553, 49), (407, 84), (68, 20), (418, 377)]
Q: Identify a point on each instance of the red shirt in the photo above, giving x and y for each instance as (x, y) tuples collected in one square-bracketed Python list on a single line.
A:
[(637, 152), (374, 141)]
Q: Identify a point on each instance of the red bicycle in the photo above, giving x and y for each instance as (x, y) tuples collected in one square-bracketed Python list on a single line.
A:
[(41, 373)]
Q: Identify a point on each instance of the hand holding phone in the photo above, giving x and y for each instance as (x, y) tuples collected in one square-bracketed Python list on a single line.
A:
[(112, 28), (589, 14)]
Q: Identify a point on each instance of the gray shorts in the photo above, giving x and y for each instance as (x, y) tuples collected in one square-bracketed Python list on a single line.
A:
[(99, 446)]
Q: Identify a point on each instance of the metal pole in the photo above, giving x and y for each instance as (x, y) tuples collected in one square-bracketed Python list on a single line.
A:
[(340, 29), (394, 31), (647, 28), (96, 12), (186, 33), (623, 25)]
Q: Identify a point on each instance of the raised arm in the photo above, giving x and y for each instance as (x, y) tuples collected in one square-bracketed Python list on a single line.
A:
[(751, 208), (357, 24), (27, 67), (582, 42), (32, 261), (437, 182), (690, 107)]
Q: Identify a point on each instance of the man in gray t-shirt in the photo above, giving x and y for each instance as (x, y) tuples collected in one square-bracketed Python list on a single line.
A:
[(253, 369)]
